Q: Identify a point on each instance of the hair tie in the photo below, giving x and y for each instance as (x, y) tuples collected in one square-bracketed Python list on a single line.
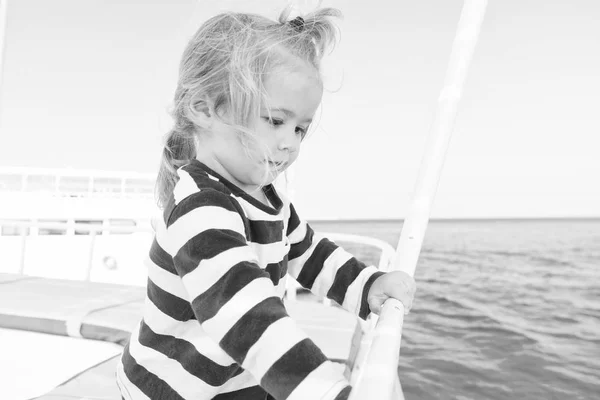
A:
[(297, 23)]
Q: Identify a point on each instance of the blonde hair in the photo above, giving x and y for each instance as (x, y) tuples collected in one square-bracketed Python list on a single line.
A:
[(224, 65)]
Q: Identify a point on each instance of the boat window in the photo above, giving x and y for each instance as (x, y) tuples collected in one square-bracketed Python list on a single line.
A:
[(13, 230), (74, 186), (11, 182), (57, 227), (139, 186), (122, 223), (93, 222), (40, 183), (107, 185)]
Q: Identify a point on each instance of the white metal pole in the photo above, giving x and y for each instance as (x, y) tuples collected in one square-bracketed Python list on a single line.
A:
[(378, 373)]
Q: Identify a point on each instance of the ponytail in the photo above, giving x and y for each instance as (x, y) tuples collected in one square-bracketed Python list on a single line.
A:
[(311, 34), (179, 149)]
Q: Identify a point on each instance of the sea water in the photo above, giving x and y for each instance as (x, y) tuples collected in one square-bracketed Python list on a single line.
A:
[(505, 309)]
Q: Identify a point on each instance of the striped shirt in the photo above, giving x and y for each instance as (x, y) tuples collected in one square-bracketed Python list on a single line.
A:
[(214, 324)]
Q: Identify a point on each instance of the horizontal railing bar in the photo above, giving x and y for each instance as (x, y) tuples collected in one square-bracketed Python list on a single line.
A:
[(76, 226)]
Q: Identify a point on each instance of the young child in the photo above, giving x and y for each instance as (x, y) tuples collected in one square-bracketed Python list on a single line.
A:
[(214, 324)]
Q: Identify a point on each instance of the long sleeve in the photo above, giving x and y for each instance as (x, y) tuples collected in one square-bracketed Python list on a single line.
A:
[(326, 269), (236, 304)]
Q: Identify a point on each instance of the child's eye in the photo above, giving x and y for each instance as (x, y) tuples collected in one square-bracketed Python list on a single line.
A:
[(274, 121), (301, 131)]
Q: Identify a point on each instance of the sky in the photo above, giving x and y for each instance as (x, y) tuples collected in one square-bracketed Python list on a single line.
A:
[(87, 84)]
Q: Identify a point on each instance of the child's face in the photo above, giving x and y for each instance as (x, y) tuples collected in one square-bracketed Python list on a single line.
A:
[(294, 96)]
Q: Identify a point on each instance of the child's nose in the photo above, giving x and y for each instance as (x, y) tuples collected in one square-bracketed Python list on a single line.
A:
[(288, 141), (286, 145)]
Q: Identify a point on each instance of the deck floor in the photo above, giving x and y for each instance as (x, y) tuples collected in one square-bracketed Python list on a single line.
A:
[(107, 312)]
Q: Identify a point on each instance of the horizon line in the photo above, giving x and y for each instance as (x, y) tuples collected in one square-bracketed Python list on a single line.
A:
[(465, 219)]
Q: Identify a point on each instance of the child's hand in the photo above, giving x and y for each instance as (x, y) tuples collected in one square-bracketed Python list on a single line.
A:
[(397, 285)]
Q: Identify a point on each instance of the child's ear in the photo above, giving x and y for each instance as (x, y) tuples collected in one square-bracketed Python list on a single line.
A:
[(202, 114)]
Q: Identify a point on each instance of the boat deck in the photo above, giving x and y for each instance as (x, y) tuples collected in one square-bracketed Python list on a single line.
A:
[(108, 312)]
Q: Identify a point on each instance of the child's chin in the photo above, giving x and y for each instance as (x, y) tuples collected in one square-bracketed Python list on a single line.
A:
[(271, 179), (265, 180)]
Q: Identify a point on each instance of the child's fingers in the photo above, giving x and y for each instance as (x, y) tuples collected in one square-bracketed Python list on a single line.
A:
[(397, 285), (403, 289), (406, 299), (375, 305)]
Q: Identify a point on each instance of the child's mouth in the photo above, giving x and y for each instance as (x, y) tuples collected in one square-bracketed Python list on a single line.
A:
[(279, 165)]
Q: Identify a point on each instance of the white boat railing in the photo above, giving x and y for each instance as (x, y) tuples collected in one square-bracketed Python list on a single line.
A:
[(375, 372), (85, 183), (386, 255), (27, 229)]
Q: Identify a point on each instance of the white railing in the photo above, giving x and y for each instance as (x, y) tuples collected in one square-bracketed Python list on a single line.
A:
[(386, 255), (387, 251), (31, 228), (26, 228), (65, 182)]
